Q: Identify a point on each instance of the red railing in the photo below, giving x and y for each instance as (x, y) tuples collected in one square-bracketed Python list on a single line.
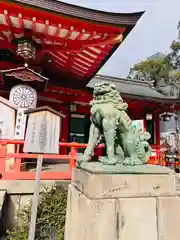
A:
[(16, 170), (159, 158)]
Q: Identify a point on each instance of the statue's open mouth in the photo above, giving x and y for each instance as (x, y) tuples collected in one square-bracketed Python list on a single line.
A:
[(102, 88), (101, 92)]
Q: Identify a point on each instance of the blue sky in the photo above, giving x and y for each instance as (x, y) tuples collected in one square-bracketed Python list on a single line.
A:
[(154, 32)]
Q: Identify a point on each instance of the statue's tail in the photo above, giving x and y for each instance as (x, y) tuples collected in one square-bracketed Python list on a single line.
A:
[(143, 152), (147, 154)]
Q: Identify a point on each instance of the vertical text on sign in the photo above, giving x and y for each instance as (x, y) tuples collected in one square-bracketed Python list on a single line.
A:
[(43, 130)]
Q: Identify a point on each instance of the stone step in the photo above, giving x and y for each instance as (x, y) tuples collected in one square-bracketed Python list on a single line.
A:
[(2, 198)]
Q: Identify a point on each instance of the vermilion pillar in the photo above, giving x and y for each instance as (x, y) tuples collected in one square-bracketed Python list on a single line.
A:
[(157, 133), (64, 130), (144, 121), (157, 129)]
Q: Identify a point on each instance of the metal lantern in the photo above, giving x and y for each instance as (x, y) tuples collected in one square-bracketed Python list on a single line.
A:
[(72, 107), (26, 49), (166, 117)]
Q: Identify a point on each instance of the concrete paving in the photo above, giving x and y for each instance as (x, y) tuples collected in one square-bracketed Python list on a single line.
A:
[(58, 166)]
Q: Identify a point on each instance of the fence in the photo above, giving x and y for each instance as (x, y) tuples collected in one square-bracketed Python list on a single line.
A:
[(16, 172)]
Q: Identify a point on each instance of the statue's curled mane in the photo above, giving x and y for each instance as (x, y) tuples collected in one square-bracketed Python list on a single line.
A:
[(108, 94)]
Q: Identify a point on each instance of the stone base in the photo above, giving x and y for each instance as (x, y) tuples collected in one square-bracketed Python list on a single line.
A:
[(122, 207), (99, 168)]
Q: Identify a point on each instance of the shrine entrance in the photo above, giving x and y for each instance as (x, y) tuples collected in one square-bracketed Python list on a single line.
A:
[(79, 129)]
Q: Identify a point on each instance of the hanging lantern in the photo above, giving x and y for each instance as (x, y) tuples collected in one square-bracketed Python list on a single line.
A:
[(72, 107), (149, 116), (26, 49)]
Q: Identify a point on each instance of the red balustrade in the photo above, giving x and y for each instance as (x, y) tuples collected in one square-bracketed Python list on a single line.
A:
[(16, 172), (159, 158)]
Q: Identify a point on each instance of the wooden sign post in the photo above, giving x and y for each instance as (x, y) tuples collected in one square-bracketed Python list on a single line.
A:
[(42, 136)]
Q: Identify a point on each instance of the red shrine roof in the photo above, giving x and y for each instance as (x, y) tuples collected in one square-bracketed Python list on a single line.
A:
[(72, 43)]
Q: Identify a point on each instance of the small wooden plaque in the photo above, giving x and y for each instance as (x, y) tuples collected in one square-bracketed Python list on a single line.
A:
[(7, 119), (21, 118), (43, 131)]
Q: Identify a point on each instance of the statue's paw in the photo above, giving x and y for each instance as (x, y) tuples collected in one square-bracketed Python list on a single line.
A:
[(82, 158), (130, 161), (107, 161)]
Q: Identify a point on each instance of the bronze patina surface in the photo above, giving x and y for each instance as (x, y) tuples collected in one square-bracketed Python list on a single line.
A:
[(111, 124)]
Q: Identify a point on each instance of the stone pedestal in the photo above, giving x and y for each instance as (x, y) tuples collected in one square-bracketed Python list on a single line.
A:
[(122, 207)]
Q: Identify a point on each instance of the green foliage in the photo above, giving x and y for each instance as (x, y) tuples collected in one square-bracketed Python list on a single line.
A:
[(176, 77), (167, 67), (155, 69), (50, 216), (175, 51)]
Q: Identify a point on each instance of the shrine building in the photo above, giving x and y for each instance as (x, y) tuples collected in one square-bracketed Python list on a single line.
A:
[(57, 48)]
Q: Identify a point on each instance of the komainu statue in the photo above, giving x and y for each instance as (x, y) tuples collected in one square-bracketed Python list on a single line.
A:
[(111, 124)]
